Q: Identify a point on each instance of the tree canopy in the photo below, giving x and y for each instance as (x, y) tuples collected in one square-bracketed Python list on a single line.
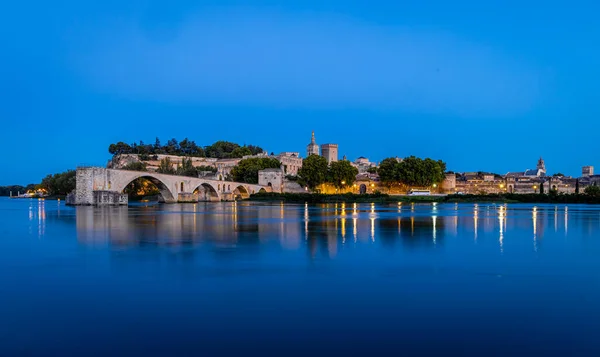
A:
[(59, 184), (593, 191), (247, 169), (341, 173), (412, 171), (186, 147), (6, 190), (135, 166), (313, 171), (186, 168), (165, 167)]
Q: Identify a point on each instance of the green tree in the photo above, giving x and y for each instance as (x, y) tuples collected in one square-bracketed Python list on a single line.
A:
[(59, 184), (542, 188), (240, 152), (247, 170), (592, 190), (577, 186), (414, 171), (558, 174), (341, 173), (186, 168), (313, 172), (165, 167), (388, 170), (372, 170), (119, 148), (203, 168), (220, 149), (135, 166), (255, 150)]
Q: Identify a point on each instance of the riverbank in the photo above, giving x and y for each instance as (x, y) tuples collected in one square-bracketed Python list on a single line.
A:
[(383, 198)]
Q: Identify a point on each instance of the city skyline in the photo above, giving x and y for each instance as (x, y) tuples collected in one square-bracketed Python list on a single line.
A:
[(339, 155), (449, 81)]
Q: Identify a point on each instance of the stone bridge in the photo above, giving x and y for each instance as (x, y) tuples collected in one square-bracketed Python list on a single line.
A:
[(96, 185)]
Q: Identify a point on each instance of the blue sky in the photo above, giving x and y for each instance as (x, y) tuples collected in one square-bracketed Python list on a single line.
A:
[(482, 85)]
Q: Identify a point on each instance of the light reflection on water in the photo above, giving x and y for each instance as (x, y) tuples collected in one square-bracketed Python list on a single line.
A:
[(378, 275)]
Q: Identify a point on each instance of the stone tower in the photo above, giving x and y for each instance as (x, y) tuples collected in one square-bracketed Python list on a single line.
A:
[(330, 152), (541, 165), (312, 148)]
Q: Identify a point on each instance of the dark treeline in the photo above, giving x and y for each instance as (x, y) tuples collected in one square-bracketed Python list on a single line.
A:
[(59, 184), (6, 190), (185, 147), (54, 185)]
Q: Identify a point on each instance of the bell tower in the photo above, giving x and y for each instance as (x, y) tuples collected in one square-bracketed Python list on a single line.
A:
[(312, 148), (541, 165)]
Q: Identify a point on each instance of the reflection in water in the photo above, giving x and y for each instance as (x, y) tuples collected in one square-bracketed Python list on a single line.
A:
[(475, 218), (193, 272), (534, 218), (566, 220), (231, 225), (319, 228), (555, 218), (37, 216), (501, 218)]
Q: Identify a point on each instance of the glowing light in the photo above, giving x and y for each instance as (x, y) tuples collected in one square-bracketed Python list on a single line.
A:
[(566, 220), (434, 218), (475, 217), (501, 218), (534, 219), (306, 220), (373, 229)]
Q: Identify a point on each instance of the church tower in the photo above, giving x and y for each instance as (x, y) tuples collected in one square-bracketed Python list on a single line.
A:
[(312, 148), (541, 165)]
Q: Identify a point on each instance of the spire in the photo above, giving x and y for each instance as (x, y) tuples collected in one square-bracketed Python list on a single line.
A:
[(312, 140)]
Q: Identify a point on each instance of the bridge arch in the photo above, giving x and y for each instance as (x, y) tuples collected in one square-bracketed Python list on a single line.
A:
[(241, 191), (165, 192), (207, 192)]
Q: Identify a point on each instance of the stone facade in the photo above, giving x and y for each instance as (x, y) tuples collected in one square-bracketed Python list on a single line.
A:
[(587, 171), (272, 178), (330, 152), (109, 198), (363, 164), (291, 162)]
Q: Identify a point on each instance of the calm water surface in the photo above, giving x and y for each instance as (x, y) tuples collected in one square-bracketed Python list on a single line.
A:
[(269, 279)]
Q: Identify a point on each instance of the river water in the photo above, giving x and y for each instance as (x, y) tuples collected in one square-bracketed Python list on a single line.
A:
[(232, 279)]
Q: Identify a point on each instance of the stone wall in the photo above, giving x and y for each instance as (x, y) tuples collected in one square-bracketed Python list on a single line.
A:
[(110, 198), (271, 178)]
